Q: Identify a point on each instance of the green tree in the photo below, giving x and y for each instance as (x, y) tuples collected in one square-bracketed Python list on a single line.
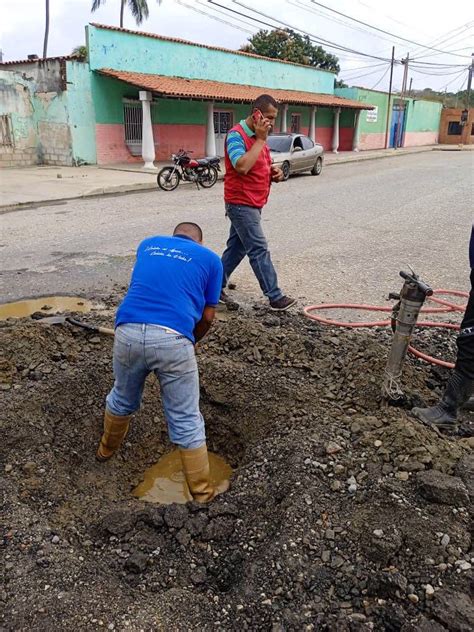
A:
[(287, 45), (138, 8), (80, 51)]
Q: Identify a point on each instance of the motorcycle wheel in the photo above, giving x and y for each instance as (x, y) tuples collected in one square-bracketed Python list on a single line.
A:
[(208, 178), (167, 180)]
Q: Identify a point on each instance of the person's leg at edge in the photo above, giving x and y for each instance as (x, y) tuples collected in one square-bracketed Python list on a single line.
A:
[(460, 387)]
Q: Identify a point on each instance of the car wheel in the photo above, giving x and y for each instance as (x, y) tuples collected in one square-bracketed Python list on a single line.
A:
[(286, 170), (318, 167)]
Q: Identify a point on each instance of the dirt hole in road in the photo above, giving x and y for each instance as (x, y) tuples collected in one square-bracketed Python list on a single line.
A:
[(324, 523), (164, 483)]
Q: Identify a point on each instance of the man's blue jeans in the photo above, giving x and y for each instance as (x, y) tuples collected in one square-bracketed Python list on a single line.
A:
[(246, 238), (140, 349)]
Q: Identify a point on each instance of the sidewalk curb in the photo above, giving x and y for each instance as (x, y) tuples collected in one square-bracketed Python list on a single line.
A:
[(363, 158), (148, 186), (98, 192)]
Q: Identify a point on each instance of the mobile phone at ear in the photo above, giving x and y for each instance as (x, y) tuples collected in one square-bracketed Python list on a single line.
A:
[(257, 116)]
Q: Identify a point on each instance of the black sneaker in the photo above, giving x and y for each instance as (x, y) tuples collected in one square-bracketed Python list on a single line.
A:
[(282, 304)]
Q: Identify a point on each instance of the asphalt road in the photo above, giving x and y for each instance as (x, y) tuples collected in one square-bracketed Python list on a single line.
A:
[(342, 236)]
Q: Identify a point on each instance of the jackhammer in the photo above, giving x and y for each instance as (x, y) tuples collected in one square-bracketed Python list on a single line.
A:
[(404, 318)]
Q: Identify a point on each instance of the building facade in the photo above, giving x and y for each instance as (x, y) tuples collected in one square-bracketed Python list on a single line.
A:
[(396, 122), (196, 93), (46, 113), (455, 131), (141, 97)]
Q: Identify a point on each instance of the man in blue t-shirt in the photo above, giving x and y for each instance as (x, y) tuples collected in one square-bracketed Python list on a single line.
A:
[(170, 305)]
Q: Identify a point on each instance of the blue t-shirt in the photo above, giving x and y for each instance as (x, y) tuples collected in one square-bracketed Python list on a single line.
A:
[(174, 278)]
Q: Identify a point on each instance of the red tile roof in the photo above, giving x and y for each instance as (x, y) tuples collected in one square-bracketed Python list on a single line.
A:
[(41, 59), (178, 40), (230, 92)]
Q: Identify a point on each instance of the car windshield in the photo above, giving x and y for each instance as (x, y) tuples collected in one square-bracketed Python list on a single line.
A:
[(279, 143)]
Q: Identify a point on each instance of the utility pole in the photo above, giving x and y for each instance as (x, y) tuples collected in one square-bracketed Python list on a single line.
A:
[(389, 104), (409, 89), (398, 136), (466, 130), (469, 82)]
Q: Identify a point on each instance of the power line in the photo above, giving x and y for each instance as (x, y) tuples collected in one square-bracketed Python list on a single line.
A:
[(298, 4), (375, 28), (436, 74), (214, 17), (453, 80), (365, 74), (313, 38), (442, 39), (392, 19), (381, 79)]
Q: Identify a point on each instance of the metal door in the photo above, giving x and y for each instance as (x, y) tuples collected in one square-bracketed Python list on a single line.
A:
[(397, 129), (223, 121)]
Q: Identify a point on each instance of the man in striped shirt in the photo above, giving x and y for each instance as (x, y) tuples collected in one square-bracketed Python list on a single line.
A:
[(248, 178)]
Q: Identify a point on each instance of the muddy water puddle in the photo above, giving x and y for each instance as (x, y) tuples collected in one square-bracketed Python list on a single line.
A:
[(45, 304), (164, 482)]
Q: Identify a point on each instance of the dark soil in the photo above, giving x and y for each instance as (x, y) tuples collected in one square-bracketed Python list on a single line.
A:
[(333, 520)]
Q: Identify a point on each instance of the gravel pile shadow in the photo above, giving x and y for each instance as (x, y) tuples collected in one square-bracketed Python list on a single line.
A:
[(343, 514)]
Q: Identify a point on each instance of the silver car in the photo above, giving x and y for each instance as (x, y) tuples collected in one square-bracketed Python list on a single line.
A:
[(295, 153)]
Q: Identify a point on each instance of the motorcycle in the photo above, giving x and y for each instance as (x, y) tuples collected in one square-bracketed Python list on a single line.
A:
[(202, 172)]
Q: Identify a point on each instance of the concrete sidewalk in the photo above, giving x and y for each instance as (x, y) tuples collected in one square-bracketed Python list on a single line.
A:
[(36, 185)]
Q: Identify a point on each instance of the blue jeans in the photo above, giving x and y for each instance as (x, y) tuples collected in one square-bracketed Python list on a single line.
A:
[(246, 238), (140, 349)]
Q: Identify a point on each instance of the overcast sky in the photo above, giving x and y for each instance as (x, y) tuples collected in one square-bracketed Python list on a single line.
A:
[(423, 21)]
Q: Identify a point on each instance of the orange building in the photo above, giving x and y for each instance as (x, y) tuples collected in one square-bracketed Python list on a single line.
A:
[(452, 130)]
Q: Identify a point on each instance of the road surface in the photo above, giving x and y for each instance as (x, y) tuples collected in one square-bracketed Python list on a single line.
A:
[(342, 236)]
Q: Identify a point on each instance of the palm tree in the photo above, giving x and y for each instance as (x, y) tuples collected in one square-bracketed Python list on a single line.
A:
[(46, 30), (138, 8)]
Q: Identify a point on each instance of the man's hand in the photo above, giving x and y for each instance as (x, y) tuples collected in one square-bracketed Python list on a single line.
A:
[(262, 129), (203, 326), (277, 174)]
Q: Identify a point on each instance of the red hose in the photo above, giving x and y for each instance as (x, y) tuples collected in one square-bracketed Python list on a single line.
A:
[(448, 307)]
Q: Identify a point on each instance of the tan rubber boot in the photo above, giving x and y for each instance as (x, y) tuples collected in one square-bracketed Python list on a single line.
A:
[(115, 429), (196, 470)]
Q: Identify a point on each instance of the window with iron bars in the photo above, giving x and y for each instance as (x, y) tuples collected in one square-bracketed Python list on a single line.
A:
[(132, 122), (295, 123), (6, 134)]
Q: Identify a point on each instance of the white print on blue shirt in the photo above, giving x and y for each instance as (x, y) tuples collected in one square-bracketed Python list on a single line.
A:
[(172, 253)]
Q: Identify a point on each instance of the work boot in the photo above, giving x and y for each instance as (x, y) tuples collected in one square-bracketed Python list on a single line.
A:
[(444, 414), (282, 304), (115, 429), (196, 471)]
